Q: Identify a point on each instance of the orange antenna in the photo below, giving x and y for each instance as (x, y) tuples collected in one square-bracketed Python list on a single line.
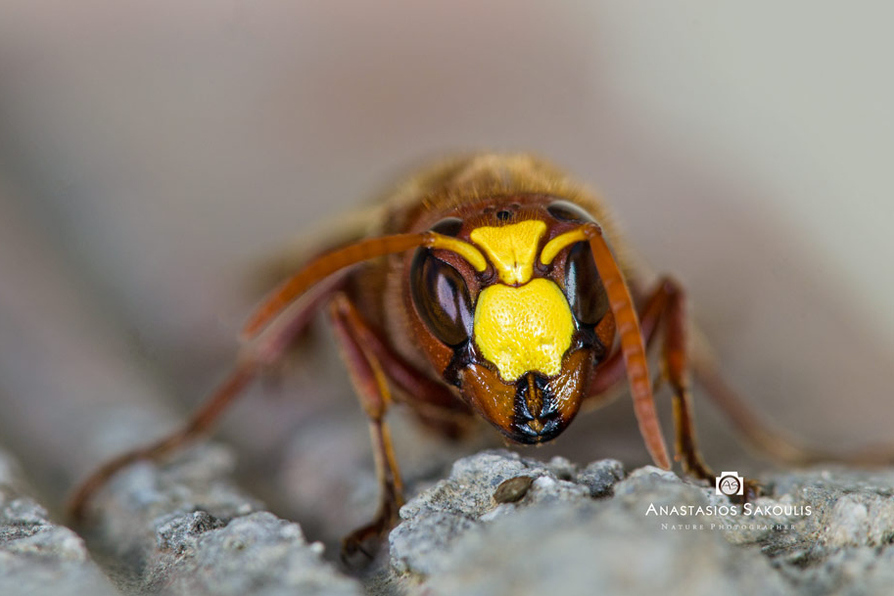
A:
[(632, 346), (323, 267), (327, 264)]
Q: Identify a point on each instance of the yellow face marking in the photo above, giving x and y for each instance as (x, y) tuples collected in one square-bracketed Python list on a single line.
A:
[(512, 249), (553, 247), (463, 249), (522, 329)]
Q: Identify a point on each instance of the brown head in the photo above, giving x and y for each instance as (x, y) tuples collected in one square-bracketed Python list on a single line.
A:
[(512, 294), (512, 307)]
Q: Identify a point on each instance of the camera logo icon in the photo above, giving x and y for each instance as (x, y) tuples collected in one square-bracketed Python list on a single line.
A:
[(729, 484)]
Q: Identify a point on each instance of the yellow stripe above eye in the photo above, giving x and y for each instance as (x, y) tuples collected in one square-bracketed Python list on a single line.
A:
[(463, 249), (512, 249), (555, 245)]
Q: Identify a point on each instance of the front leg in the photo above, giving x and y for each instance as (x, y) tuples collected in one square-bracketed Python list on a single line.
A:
[(666, 305), (372, 364), (668, 302), (368, 378)]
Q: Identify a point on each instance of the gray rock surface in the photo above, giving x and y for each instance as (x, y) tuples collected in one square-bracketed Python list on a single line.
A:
[(499, 524), (39, 557), (255, 554), (590, 531), (184, 529)]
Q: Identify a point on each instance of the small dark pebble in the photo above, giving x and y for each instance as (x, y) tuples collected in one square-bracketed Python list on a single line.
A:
[(513, 490)]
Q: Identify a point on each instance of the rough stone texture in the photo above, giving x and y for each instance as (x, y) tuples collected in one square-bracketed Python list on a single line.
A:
[(817, 532), (845, 546), (182, 528), (256, 554), (37, 556), (434, 520)]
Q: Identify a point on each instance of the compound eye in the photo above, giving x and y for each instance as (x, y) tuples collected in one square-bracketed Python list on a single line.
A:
[(568, 211), (583, 286), (441, 297), (449, 226)]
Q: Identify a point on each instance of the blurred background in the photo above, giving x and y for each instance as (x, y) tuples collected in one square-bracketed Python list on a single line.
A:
[(151, 154)]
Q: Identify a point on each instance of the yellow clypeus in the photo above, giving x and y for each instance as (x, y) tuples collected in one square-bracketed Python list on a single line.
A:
[(525, 328)]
